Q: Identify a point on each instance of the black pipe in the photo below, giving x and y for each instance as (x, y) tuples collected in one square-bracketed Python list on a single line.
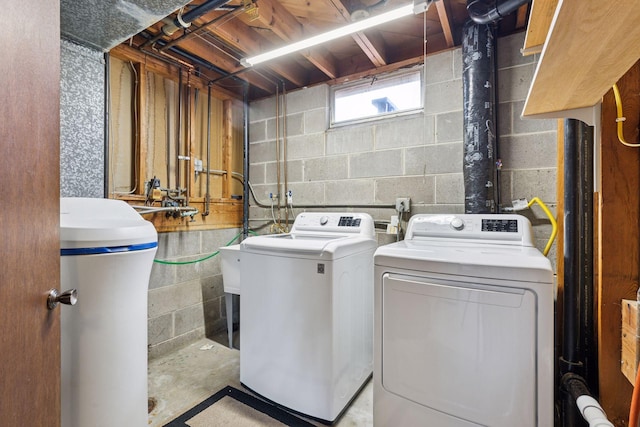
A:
[(478, 91), (585, 260), (578, 348), (483, 13), (570, 360), (204, 8), (245, 172)]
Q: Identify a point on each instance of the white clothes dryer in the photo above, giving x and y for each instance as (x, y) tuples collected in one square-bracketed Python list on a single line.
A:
[(306, 313), (463, 332)]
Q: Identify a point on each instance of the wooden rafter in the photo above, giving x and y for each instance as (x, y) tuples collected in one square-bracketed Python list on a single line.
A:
[(521, 19), (283, 24), (246, 39), (446, 21), (374, 49)]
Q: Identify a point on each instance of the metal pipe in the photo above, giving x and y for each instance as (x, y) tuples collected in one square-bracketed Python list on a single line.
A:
[(480, 12), (179, 131), (202, 28), (278, 198), (107, 109), (188, 136), (245, 164), (207, 199), (185, 20), (284, 148)]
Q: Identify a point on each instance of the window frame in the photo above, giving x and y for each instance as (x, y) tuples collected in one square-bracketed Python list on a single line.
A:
[(366, 83)]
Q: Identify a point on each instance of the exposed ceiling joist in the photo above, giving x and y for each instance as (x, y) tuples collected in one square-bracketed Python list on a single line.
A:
[(446, 21)]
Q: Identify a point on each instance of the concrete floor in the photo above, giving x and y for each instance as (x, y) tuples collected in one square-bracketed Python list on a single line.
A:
[(184, 378)]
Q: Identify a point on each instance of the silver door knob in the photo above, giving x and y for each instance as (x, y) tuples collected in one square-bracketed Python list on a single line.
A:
[(69, 297)]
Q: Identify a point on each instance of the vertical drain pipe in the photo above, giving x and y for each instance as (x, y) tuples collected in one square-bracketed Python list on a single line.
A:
[(578, 349), (478, 89)]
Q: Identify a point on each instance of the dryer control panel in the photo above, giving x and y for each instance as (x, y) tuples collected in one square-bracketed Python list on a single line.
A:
[(504, 229)]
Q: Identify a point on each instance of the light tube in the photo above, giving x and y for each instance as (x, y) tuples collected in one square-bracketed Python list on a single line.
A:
[(330, 35)]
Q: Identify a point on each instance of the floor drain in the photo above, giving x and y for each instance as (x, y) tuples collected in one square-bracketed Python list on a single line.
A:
[(151, 404)]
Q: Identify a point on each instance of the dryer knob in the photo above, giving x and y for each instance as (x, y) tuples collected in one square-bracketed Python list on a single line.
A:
[(457, 224), (324, 220)]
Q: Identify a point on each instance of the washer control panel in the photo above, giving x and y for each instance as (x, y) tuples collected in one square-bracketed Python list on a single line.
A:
[(352, 223)]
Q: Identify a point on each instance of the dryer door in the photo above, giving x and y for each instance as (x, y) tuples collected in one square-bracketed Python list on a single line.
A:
[(465, 350)]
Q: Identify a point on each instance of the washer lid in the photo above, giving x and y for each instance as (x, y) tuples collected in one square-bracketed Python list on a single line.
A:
[(103, 226), (308, 245)]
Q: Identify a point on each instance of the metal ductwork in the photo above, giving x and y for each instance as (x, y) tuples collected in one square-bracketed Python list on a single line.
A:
[(486, 12)]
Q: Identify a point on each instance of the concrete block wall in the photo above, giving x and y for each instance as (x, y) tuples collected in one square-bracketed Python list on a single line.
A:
[(419, 156), (186, 301)]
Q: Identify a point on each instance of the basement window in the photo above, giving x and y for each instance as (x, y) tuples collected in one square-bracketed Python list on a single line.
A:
[(377, 97)]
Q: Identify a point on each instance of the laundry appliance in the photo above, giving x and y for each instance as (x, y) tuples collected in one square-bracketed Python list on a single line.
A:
[(306, 313), (463, 332)]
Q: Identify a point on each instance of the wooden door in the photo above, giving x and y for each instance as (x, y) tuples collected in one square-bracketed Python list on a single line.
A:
[(29, 218)]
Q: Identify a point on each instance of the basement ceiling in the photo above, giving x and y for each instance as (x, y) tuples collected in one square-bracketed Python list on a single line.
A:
[(216, 41)]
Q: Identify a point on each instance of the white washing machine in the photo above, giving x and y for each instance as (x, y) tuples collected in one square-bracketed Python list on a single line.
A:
[(306, 313), (463, 332)]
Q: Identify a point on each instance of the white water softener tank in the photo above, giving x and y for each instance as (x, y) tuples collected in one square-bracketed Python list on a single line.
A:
[(107, 252)]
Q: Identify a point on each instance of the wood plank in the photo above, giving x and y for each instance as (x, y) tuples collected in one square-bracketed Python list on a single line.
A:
[(446, 21), (540, 18), (283, 24), (247, 40), (618, 244), (375, 51), (521, 16), (630, 343), (590, 45)]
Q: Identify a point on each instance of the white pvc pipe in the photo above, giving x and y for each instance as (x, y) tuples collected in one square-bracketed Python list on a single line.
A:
[(592, 412)]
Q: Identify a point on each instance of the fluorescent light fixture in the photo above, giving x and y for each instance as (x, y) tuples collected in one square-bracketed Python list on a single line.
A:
[(419, 7)]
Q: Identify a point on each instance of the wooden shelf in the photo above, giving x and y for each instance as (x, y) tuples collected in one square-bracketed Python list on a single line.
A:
[(589, 46), (541, 15)]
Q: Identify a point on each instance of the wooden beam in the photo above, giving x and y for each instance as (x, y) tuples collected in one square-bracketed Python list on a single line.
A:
[(540, 18), (375, 51), (275, 17), (204, 50), (446, 21), (247, 40), (521, 17), (590, 45)]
